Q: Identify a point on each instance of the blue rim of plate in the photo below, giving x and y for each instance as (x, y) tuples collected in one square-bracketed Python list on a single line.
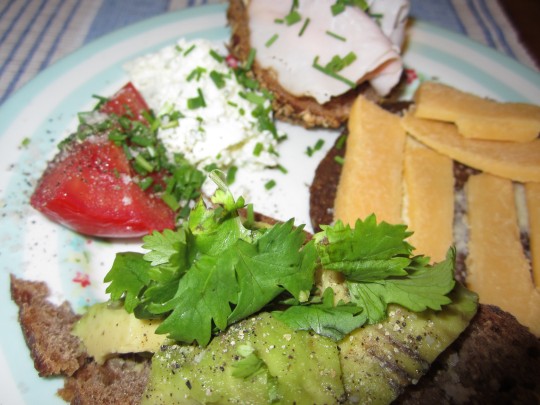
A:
[(34, 389)]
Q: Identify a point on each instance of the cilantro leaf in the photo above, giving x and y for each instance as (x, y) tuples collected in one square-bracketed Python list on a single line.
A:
[(325, 319), (369, 252), (202, 297), (128, 277), (276, 262), (163, 247), (424, 287)]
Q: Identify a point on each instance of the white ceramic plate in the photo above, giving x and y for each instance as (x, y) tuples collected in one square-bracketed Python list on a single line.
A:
[(44, 112)]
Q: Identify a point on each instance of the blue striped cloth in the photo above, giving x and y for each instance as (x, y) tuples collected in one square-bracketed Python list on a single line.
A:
[(36, 33)]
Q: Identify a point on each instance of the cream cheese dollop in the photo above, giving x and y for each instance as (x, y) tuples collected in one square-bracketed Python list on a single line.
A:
[(225, 130), (374, 38)]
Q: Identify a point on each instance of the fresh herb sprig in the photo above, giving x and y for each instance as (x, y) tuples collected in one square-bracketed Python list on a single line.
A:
[(216, 270)]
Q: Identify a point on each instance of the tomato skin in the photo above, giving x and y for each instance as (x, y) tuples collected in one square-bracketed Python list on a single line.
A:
[(127, 101), (89, 188)]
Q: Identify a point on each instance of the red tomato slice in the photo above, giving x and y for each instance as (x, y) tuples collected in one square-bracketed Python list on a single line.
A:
[(89, 188), (127, 101)]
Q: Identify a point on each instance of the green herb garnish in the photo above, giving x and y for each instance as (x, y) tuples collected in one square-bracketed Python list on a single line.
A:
[(214, 271), (272, 39), (334, 35), (332, 73), (304, 26), (196, 102)]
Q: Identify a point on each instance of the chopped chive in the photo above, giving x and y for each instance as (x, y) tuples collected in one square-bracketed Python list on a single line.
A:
[(311, 150), (279, 20), (254, 98), (196, 73), (188, 51), (178, 48), (231, 174), (232, 103), (258, 149), (294, 5), (116, 173), (341, 142), (332, 73), (216, 56), (141, 141), (217, 78), (143, 163), (25, 142), (270, 184), (101, 101), (146, 182), (292, 18), (171, 201), (337, 8), (117, 137), (273, 39), (306, 23), (334, 35), (250, 59), (196, 102), (282, 169), (339, 159)]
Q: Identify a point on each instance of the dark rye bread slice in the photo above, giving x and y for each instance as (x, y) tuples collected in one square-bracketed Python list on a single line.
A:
[(56, 352), (305, 111)]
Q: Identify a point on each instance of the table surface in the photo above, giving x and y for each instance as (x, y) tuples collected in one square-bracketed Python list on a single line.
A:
[(36, 33)]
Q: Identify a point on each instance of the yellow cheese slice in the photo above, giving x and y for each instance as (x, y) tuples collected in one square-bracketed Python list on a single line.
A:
[(372, 174), (477, 117), (516, 161), (532, 193), (429, 184), (497, 268)]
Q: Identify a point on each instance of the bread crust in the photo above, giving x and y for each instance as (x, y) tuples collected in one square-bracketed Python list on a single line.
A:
[(305, 111), (56, 352)]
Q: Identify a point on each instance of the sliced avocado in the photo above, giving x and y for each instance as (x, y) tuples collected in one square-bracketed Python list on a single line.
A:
[(298, 367), (107, 330), (378, 361)]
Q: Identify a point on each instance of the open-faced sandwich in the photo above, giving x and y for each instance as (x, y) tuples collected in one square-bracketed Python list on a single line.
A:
[(315, 57), (462, 170)]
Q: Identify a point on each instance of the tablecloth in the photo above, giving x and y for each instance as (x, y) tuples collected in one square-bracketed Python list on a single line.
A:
[(36, 33)]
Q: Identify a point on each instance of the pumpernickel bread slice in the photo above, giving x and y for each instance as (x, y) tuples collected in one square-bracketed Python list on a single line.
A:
[(56, 352), (305, 111)]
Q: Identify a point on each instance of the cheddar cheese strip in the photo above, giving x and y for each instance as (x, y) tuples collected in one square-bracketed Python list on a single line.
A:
[(515, 161), (372, 175), (477, 117), (498, 269), (429, 181)]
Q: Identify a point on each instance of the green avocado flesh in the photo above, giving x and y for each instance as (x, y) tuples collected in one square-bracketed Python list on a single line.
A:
[(372, 364), (298, 367)]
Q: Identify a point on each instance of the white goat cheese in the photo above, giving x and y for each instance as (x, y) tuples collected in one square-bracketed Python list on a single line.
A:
[(220, 128)]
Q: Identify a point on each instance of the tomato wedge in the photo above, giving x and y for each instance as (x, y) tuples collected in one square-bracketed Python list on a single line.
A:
[(127, 102), (89, 188)]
